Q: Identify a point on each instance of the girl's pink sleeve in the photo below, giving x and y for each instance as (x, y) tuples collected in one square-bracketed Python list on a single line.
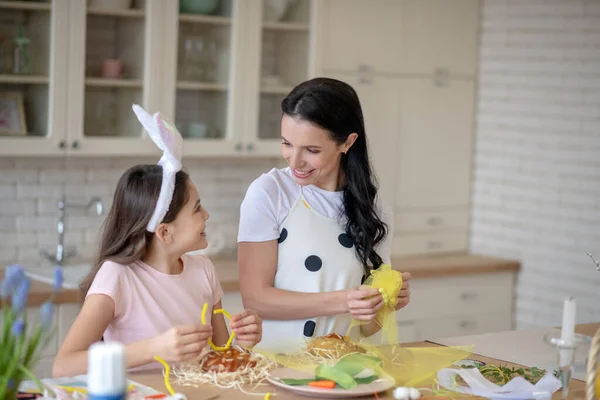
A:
[(108, 281)]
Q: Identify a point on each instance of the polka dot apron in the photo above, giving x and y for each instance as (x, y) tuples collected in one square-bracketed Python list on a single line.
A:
[(315, 255)]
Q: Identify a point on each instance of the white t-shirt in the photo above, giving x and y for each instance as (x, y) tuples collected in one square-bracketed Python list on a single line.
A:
[(271, 196)]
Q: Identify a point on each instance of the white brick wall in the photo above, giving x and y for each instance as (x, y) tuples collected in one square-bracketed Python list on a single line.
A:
[(30, 188), (537, 176)]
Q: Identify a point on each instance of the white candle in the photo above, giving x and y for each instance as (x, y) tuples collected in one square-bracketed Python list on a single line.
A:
[(568, 329)]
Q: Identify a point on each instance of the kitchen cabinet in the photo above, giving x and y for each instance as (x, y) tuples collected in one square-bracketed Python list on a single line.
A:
[(417, 87), (220, 75), (362, 36), (64, 316)]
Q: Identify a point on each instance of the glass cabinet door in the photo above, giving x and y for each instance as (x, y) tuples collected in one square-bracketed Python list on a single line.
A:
[(200, 49), (32, 76), (114, 71), (285, 62)]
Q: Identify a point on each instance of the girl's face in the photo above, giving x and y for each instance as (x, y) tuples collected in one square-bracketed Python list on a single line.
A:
[(188, 233), (312, 155)]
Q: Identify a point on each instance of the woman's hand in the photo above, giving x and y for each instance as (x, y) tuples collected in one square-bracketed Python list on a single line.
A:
[(364, 302), (181, 343), (404, 294), (247, 326)]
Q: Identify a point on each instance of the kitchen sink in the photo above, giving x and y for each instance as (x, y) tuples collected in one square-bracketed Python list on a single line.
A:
[(73, 274)]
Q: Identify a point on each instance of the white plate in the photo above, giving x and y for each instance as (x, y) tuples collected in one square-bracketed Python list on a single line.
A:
[(365, 389)]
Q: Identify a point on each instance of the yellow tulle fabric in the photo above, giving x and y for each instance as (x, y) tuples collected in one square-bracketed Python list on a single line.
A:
[(407, 366), (389, 283)]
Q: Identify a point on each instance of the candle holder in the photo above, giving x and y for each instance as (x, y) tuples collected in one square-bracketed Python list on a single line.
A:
[(566, 356)]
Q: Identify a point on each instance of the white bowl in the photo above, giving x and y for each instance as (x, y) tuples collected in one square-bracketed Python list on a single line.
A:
[(273, 10)]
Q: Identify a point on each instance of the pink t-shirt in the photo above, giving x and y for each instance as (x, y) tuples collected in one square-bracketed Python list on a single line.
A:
[(149, 302)]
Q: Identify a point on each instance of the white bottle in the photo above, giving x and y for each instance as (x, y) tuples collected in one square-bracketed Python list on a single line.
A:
[(106, 379)]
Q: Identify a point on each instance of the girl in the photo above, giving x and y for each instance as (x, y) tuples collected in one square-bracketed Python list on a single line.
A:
[(144, 290), (309, 234)]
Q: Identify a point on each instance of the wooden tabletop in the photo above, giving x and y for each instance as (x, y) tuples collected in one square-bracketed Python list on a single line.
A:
[(206, 392)]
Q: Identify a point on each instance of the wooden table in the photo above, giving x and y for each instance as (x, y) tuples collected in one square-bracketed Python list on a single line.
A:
[(155, 380)]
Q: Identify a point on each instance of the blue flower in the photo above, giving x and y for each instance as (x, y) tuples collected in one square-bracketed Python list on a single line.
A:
[(18, 327), (46, 313), (19, 299), (13, 276), (58, 279)]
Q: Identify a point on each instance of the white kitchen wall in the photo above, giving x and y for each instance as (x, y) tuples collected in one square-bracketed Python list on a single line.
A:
[(537, 165), (30, 188)]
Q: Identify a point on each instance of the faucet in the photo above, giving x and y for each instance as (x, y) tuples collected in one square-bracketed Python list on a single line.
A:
[(60, 256), (595, 262)]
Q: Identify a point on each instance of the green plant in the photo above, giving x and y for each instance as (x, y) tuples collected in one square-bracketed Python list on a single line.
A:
[(20, 345)]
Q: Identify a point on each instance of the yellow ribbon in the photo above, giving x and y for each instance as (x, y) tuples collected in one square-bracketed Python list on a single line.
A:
[(227, 315), (167, 373)]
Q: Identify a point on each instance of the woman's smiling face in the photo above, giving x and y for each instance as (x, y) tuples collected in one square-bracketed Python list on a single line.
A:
[(310, 152)]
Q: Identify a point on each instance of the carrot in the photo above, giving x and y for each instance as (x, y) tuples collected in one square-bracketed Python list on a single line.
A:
[(322, 384)]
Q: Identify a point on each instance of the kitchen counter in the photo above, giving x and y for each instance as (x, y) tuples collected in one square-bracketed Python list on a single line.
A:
[(155, 379), (40, 292), (419, 267)]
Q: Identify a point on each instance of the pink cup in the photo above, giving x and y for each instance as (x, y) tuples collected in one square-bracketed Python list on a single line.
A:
[(112, 68)]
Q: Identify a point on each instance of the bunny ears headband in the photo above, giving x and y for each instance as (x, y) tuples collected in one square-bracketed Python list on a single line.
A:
[(166, 136)]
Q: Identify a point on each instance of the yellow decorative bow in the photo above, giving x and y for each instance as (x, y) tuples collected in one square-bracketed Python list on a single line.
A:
[(389, 283)]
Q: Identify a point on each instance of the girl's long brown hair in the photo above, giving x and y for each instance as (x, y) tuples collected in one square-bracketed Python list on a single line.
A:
[(124, 235)]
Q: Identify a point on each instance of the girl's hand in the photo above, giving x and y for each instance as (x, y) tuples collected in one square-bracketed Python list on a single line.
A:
[(404, 295), (247, 326), (363, 302), (181, 343)]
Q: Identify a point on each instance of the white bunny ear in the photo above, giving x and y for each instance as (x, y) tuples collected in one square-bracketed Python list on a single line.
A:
[(164, 134), (170, 136)]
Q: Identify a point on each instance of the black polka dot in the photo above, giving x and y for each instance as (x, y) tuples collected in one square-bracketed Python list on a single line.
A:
[(364, 278), (309, 328), (282, 236), (313, 263), (345, 240)]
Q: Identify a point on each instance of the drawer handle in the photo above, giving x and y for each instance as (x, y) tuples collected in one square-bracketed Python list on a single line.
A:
[(435, 221), (467, 324), (466, 296)]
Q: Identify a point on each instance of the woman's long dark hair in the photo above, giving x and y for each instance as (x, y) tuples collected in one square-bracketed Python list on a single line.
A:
[(334, 106), (124, 237)]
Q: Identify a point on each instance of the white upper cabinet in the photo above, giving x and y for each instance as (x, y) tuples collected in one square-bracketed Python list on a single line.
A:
[(435, 143), (33, 77), (439, 37), (362, 36), (202, 76), (219, 72), (278, 56), (112, 64), (380, 102)]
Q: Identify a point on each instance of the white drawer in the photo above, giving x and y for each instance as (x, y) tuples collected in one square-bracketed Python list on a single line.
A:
[(436, 219), (33, 319), (43, 368), (464, 325), (67, 313), (416, 243), (455, 296), (407, 332), (232, 302)]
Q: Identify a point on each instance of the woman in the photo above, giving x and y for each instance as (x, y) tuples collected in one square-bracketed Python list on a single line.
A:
[(309, 234)]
